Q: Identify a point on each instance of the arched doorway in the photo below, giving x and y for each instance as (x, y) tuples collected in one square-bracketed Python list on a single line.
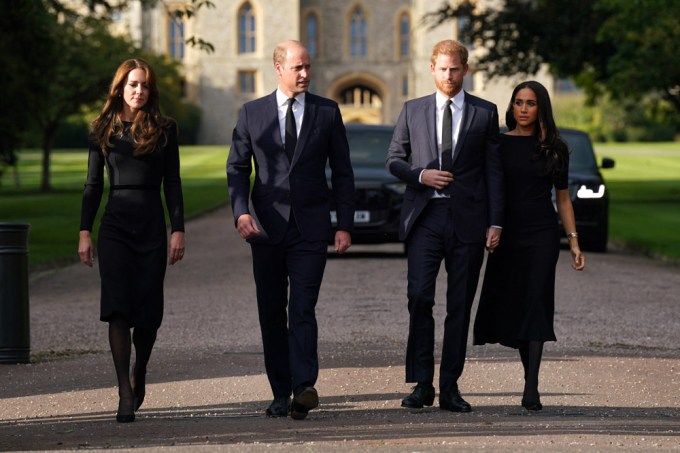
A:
[(360, 97)]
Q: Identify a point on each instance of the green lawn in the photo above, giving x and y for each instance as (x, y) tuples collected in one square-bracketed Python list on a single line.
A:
[(645, 196), (55, 217), (644, 188)]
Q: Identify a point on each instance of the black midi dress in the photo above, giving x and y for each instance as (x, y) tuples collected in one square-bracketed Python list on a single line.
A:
[(132, 239), (517, 302)]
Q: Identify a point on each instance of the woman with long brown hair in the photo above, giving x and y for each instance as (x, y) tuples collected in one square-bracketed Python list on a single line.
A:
[(138, 147)]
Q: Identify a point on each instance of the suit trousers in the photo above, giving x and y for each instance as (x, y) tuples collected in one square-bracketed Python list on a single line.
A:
[(431, 241), (288, 319)]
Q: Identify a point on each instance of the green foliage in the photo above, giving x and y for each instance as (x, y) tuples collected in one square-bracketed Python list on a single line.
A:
[(648, 120), (645, 34), (626, 48), (72, 132), (59, 59), (22, 42), (64, 62)]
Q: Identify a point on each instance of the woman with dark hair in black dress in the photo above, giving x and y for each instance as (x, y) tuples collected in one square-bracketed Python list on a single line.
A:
[(138, 147), (517, 303)]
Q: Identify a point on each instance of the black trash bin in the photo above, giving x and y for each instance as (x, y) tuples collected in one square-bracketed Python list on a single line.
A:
[(15, 336)]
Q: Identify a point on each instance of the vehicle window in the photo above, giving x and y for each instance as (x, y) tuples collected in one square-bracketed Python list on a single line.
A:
[(369, 146), (581, 155)]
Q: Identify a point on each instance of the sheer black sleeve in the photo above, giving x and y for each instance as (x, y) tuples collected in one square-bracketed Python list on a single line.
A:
[(172, 183), (94, 187)]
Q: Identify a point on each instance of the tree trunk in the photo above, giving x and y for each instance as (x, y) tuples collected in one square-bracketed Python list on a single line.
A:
[(48, 140)]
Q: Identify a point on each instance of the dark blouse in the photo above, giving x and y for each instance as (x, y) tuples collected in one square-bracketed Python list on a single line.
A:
[(126, 171), (528, 188)]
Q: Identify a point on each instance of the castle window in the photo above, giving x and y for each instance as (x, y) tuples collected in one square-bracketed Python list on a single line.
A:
[(246, 29), (357, 33), (176, 38), (312, 34), (246, 82), (404, 35), (463, 24)]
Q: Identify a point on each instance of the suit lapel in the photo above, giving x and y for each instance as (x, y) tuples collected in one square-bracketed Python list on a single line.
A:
[(465, 123), (307, 126), (431, 124)]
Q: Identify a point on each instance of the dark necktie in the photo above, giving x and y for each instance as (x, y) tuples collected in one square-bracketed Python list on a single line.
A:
[(291, 131), (447, 138)]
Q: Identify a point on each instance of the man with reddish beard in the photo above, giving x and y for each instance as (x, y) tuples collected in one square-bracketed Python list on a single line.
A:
[(445, 147)]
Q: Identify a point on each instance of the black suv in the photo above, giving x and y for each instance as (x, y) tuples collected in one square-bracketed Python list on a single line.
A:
[(588, 191), (378, 194)]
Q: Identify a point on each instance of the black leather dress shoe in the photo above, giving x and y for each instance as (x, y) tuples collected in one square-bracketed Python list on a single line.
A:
[(452, 401), (532, 406), (304, 402), (422, 395), (279, 407)]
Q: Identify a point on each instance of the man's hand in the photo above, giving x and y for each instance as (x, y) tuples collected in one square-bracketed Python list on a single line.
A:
[(493, 238), (436, 179), (343, 241), (246, 226)]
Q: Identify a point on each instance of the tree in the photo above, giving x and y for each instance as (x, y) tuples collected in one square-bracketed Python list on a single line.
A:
[(174, 10), (75, 74), (58, 57), (625, 48), (21, 46)]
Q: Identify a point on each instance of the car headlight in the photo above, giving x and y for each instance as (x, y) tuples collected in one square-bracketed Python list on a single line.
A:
[(585, 192), (397, 187)]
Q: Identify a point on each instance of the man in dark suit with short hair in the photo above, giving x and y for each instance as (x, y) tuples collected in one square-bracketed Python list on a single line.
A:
[(290, 135), (445, 147)]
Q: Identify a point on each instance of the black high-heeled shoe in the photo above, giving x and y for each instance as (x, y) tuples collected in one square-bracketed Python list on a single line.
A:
[(121, 416), (139, 389)]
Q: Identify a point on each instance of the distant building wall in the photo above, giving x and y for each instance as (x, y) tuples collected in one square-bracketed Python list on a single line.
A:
[(368, 55)]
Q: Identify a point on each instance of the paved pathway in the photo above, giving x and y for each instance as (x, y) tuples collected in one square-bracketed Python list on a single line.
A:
[(611, 382)]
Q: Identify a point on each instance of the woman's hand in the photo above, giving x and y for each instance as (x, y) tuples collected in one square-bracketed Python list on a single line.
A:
[(579, 261), (176, 247), (86, 248)]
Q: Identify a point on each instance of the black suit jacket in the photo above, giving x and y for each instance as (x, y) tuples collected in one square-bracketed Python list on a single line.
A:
[(299, 188), (477, 188)]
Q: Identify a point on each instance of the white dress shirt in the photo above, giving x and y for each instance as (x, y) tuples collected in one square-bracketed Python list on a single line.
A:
[(456, 115), (298, 112)]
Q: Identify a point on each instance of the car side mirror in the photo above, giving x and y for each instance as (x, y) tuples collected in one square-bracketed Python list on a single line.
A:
[(607, 162)]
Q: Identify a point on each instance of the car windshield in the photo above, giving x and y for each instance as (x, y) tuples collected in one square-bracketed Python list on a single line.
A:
[(581, 157), (369, 146)]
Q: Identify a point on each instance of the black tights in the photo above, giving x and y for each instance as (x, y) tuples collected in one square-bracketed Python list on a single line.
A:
[(531, 352), (121, 346)]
